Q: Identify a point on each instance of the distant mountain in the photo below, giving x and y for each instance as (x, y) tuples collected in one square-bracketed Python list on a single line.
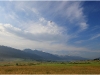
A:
[(12, 53), (97, 58), (44, 55), (8, 52), (48, 56), (69, 58)]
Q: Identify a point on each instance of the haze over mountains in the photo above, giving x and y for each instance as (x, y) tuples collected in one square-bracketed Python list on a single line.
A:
[(12, 53), (8, 53), (44, 55)]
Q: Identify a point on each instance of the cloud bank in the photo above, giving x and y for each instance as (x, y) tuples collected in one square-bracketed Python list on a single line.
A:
[(44, 41)]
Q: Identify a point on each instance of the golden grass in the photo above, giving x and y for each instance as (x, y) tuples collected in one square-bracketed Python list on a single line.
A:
[(47, 69)]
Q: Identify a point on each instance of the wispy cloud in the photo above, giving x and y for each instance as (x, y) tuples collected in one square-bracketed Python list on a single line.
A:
[(89, 39), (71, 11), (83, 26), (80, 41), (44, 26), (42, 34), (94, 37), (34, 41)]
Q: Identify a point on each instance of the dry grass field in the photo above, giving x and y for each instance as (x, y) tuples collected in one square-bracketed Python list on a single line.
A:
[(51, 68)]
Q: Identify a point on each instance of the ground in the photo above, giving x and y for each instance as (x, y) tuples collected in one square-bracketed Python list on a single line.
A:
[(35, 67)]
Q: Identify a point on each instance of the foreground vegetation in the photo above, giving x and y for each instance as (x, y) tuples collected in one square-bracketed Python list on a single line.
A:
[(34, 67)]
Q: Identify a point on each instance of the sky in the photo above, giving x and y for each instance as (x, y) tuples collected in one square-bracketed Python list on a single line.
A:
[(58, 27)]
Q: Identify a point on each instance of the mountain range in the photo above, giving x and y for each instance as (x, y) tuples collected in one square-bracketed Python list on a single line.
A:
[(12, 53)]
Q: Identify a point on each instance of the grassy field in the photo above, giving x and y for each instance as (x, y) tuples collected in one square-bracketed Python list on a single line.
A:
[(78, 67)]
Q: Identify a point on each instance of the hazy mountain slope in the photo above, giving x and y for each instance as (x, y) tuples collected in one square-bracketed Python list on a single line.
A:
[(48, 56), (66, 57), (8, 52), (44, 55)]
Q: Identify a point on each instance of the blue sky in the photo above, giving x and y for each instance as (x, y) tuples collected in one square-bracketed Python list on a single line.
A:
[(58, 27)]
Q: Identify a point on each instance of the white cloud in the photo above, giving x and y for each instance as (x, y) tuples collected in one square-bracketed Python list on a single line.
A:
[(15, 37), (83, 26), (75, 14), (72, 11), (80, 41), (37, 33), (44, 26), (94, 37)]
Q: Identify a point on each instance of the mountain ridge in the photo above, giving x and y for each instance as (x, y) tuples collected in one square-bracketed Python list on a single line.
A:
[(45, 55), (9, 52)]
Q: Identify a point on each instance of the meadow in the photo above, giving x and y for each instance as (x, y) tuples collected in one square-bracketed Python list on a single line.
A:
[(35, 67)]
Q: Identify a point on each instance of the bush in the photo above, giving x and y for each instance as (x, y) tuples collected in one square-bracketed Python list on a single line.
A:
[(16, 64)]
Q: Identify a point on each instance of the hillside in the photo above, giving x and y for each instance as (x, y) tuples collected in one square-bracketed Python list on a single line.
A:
[(48, 56), (8, 52), (44, 55), (69, 58), (12, 53)]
